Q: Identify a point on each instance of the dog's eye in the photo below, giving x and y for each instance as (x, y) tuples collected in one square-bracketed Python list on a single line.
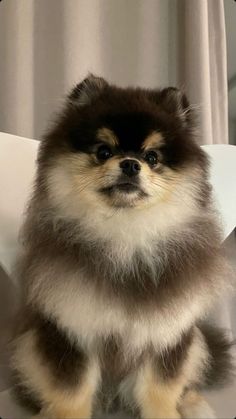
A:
[(151, 158), (104, 152)]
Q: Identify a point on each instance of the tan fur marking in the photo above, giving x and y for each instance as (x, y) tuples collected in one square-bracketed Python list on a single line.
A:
[(84, 411), (58, 403), (153, 140), (156, 399), (107, 135), (74, 404), (192, 397), (194, 406)]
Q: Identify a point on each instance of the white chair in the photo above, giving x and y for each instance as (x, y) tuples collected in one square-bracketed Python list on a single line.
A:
[(17, 168)]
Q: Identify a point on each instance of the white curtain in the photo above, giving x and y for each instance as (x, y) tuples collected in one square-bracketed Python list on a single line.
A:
[(46, 46)]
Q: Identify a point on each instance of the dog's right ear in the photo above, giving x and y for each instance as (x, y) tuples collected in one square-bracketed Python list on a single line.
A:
[(90, 88)]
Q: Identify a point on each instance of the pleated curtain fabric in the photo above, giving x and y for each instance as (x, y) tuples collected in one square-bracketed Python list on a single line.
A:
[(47, 46), (203, 67)]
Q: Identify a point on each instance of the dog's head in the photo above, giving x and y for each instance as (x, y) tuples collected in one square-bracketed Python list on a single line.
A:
[(116, 148)]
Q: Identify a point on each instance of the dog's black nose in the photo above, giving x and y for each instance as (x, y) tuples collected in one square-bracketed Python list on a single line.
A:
[(130, 167)]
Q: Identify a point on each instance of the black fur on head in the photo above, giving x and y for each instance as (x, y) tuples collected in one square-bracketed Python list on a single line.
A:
[(132, 114)]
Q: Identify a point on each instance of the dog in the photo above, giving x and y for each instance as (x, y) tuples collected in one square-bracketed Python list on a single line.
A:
[(121, 260)]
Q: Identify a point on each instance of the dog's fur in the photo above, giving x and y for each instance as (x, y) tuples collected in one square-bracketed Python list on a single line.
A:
[(115, 279)]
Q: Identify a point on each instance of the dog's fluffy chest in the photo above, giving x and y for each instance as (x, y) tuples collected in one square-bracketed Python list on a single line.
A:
[(90, 317)]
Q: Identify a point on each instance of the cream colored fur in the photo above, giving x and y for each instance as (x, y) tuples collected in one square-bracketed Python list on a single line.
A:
[(36, 375), (194, 406), (73, 191), (158, 398)]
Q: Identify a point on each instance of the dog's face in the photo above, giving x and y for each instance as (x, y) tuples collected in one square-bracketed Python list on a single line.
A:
[(118, 148)]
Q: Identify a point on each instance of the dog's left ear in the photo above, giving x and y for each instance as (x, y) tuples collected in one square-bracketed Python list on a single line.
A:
[(175, 102), (90, 88)]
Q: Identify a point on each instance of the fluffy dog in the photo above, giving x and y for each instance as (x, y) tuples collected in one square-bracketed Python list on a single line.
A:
[(121, 261)]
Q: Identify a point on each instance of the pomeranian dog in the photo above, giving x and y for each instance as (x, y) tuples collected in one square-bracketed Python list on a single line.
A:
[(121, 261)]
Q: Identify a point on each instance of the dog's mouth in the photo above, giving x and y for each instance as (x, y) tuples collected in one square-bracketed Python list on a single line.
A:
[(122, 186), (127, 187)]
